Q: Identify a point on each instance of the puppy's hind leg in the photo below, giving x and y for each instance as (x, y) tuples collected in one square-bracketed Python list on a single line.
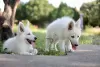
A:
[(56, 45), (48, 44)]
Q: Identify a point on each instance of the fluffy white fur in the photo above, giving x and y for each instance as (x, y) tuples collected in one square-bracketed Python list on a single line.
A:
[(19, 43), (65, 32)]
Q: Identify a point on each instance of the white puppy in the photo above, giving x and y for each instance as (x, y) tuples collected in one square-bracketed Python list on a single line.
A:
[(23, 42), (65, 32)]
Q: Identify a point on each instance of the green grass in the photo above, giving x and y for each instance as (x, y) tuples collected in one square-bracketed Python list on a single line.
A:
[(89, 35), (1, 46)]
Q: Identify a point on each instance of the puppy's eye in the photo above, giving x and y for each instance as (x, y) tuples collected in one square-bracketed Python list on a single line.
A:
[(28, 34), (77, 36), (72, 36)]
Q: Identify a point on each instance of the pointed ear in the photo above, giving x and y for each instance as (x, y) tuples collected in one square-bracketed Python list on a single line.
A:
[(28, 23), (78, 23), (70, 25), (21, 27)]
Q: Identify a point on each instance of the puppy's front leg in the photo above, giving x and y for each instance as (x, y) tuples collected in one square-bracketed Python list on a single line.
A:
[(26, 53), (32, 50), (35, 51), (62, 45), (69, 46)]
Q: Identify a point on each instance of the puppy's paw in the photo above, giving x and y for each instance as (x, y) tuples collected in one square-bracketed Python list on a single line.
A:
[(26, 53), (70, 50), (35, 51)]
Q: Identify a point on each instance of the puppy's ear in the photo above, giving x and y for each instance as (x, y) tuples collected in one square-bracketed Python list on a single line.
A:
[(78, 23), (28, 24), (70, 25), (21, 27)]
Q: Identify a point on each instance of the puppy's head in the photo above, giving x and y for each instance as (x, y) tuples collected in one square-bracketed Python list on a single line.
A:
[(74, 33), (25, 33)]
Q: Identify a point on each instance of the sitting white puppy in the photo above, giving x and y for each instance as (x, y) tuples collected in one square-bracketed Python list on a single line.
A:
[(23, 42), (65, 32)]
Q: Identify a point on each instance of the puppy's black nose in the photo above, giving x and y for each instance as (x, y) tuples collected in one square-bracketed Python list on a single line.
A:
[(35, 38), (76, 44)]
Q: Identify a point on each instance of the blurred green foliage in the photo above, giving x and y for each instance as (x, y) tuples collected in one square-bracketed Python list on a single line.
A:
[(40, 12), (91, 13)]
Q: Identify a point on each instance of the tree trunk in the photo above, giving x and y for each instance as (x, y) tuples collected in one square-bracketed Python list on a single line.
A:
[(7, 19)]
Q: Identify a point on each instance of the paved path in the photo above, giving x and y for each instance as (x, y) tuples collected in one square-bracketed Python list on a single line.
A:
[(85, 56)]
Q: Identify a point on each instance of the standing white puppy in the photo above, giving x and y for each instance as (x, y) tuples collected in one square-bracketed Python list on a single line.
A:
[(65, 32), (23, 42)]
